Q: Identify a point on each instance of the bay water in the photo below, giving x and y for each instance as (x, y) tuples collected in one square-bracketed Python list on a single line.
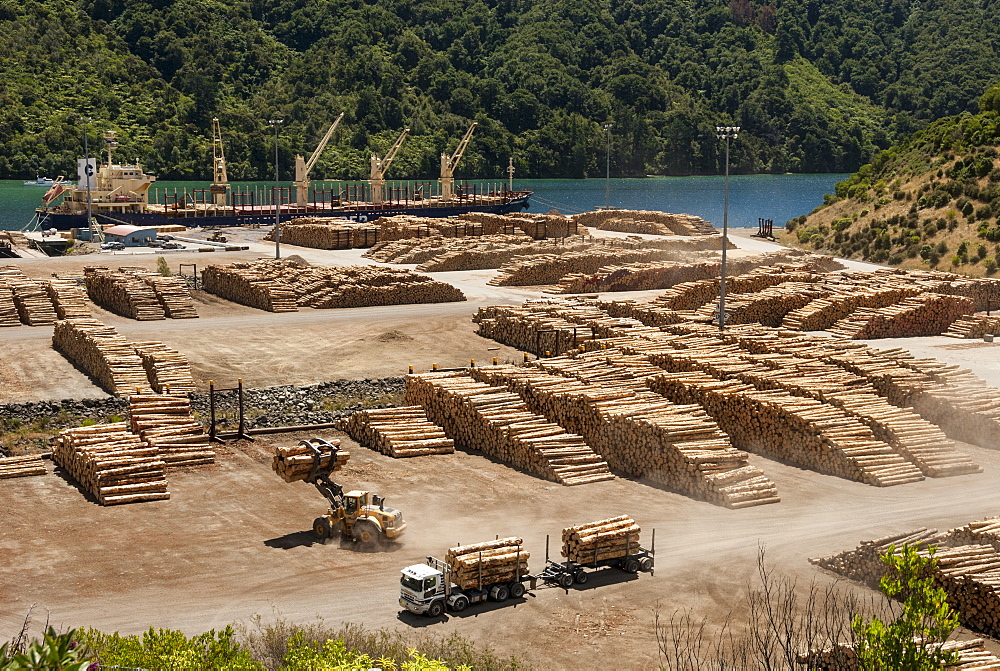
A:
[(777, 197)]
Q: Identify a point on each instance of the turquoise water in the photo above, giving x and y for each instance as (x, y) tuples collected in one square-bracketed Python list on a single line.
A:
[(777, 197)]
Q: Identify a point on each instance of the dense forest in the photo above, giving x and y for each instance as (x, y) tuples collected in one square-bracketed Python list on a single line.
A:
[(817, 86)]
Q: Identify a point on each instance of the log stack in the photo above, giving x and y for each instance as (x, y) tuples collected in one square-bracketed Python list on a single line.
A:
[(497, 422), (662, 223), (972, 656), (326, 233), (173, 295), (923, 315), (483, 564), (124, 294), (21, 467), (166, 423), (538, 226), (100, 352), (474, 251), (68, 298), (8, 311), (249, 284), (110, 463), (33, 305), (550, 268), (398, 432), (612, 538), (295, 463), (168, 371), (974, 326)]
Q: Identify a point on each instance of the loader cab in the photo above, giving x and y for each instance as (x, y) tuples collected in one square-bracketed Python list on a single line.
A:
[(354, 502)]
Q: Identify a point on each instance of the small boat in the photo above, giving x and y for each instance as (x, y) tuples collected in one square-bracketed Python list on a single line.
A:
[(46, 181)]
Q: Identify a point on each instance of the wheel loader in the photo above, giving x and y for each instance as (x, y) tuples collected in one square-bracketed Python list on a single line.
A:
[(359, 516)]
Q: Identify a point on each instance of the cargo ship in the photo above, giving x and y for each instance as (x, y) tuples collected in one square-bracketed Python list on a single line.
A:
[(117, 193)]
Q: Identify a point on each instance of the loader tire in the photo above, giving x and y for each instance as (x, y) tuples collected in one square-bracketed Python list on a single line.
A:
[(367, 535), (321, 527)]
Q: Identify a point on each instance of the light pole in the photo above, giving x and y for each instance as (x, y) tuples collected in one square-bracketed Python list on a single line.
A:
[(607, 167), (86, 166), (726, 133), (277, 195)]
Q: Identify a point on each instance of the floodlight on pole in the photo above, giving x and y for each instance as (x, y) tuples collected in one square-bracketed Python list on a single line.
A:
[(726, 133), (607, 166), (277, 194)]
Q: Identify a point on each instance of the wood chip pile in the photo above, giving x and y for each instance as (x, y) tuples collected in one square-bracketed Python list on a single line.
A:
[(645, 221), (475, 566), (31, 300), (166, 423), (497, 422), (68, 299), (398, 432), (21, 467), (113, 465), (124, 294), (258, 283), (101, 353), (295, 463), (168, 371), (974, 326), (605, 539), (923, 315)]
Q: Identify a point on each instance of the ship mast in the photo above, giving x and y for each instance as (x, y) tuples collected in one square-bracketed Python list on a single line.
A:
[(381, 165), (448, 164), (303, 167), (220, 179)]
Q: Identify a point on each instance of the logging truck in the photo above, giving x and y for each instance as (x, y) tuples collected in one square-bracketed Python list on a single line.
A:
[(630, 558), (429, 589)]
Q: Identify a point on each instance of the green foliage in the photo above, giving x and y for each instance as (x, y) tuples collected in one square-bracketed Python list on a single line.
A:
[(167, 649), (333, 655), (163, 267), (54, 652), (911, 641), (990, 101)]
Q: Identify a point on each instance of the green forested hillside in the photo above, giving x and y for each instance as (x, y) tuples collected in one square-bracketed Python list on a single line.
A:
[(817, 85)]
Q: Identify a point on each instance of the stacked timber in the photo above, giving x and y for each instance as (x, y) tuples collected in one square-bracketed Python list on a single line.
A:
[(110, 463), (864, 564), (251, 284), (605, 539), (768, 306), (823, 312), (477, 253), (483, 564), (326, 233), (124, 294), (34, 307), (68, 298), (498, 423), (494, 255), (100, 352), (173, 295), (980, 532), (402, 226), (21, 467), (166, 423), (398, 432), (550, 268), (974, 326), (8, 310), (923, 315), (662, 223), (167, 369), (296, 463), (972, 656), (636, 277), (538, 226)]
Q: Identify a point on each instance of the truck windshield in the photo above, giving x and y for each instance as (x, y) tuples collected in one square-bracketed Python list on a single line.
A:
[(412, 583)]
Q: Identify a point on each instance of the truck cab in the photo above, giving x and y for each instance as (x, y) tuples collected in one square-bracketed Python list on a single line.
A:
[(421, 587)]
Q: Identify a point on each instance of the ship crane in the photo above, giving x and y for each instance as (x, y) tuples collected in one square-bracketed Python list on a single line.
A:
[(381, 165), (448, 164), (220, 179), (303, 167)]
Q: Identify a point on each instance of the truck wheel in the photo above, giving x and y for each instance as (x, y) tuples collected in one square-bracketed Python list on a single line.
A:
[(646, 564), (499, 593), (516, 590), (631, 565), (460, 604), (581, 577), (435, 609), (367, 535), (321, 527), (566, 580)]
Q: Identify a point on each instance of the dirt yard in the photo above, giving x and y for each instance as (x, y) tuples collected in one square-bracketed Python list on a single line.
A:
[(234, 540)]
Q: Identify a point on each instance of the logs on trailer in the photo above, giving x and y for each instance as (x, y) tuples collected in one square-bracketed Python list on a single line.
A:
[(398, 432), (112, 464), (604, 539), (124, 294), (663, 223), (498, 423), (168, 370), (475, 566), (166, 423), (296, 463), (68, 299), (923, 315), (21, 467), (282, 286), (100, 352)]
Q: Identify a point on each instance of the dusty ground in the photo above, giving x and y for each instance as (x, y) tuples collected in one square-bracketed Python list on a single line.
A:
[(234, 540)]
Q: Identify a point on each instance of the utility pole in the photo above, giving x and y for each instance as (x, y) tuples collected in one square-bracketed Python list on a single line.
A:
[(726, 133), (607, 167), (277, 193), (86, 167)]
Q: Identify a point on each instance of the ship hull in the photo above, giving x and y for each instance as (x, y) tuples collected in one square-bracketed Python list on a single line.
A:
[(63, 221)]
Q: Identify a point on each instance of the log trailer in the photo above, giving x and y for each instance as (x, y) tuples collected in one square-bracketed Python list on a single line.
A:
[(358, 515), (564, 574), (429, 588)]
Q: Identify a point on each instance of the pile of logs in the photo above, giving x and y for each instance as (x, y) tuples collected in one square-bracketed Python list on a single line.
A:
[(972, 656), (923, 315), (825, 311), (538, 226), (398, 432), (605, 539), (404, 226), (497, 422), (68, 299), (33, 305), (168, 371), (21, 467), (487, 251), (101, 353), (296, 463), (768, 306), (124, 294), (8, 311), (550, 268), (326, 233), (281, 286), (974, 326), (166, 423), (173, 294), (110, 463), (475, 566), (643, 221)]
